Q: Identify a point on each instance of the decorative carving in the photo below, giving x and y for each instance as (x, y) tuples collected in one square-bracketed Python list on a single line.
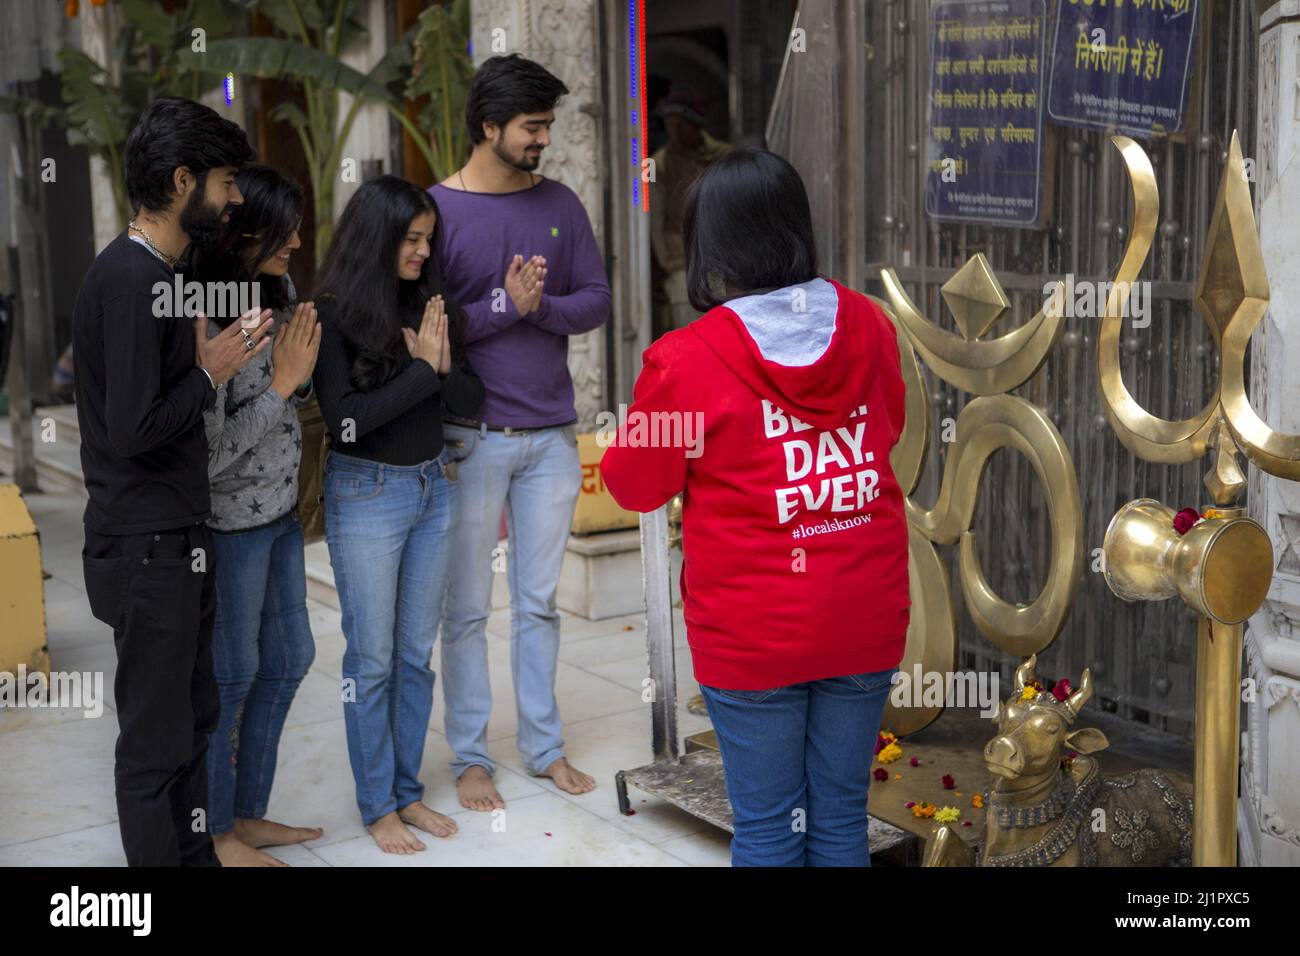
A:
[(1274, 823), (1289, 562), (1278, 688), (1133, 834), (1270, 75)]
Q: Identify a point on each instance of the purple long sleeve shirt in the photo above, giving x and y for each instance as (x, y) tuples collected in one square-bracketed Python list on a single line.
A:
[(522, 360)]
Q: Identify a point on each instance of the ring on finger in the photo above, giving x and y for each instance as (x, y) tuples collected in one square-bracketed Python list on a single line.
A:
[(249, 343)]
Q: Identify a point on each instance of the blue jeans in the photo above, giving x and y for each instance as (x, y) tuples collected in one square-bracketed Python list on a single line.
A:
[(261, 650), (387, 528), (797, 762), (535, 478)]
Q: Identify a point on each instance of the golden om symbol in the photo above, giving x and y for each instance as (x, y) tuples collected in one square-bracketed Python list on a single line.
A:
[(988, 423)]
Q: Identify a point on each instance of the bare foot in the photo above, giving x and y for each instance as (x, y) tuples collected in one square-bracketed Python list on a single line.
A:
[(270, 833), (430, 821), (393, 837), (477, 791), (567, 778), (232, 851)]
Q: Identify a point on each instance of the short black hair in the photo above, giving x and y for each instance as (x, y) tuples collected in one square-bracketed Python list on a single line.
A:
[(176, 132), (748, 229), (506, 86)]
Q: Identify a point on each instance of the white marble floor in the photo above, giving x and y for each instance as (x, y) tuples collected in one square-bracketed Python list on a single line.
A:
[(56, 766)]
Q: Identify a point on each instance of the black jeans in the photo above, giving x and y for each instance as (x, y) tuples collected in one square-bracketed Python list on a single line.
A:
[(157, 591)]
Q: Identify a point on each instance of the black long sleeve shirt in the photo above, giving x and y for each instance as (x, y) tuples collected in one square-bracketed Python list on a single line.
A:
[(400, 422), (140, 397)]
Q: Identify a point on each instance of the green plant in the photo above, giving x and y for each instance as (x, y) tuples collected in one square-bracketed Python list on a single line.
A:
[(316, 33), (431, 60), (159, 54), (441, 71), (99, 113)]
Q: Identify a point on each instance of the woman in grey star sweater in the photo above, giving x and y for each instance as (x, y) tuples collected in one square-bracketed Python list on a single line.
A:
[(262, 644)]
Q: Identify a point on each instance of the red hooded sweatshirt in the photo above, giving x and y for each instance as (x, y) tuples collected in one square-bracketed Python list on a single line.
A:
[(776, 414)]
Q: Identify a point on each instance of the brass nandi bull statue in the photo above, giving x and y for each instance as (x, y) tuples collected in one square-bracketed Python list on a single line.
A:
[(1039, 813)]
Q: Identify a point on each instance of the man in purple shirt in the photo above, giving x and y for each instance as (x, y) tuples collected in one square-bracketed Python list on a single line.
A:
[(521, 261)]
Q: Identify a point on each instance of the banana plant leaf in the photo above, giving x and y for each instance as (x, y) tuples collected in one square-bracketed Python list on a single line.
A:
[(278, 58), (96, 111), (316, 19), (440, 79)]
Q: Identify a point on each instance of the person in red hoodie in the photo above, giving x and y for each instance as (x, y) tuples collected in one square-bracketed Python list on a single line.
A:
[(775, 413)]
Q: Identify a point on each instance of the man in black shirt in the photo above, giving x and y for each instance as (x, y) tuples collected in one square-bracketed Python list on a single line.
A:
[(144, 375)]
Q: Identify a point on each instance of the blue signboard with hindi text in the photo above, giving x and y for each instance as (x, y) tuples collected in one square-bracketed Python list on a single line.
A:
[(1122, 65), (984, 155)]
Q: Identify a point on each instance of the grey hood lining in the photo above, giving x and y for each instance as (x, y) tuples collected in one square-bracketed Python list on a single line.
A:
[(792, 326)]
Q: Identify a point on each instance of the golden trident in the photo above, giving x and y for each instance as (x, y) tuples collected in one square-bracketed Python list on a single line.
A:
[(1223, 566)]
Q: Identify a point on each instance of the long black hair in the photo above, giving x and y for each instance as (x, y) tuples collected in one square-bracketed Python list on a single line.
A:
[(358, 283), (260, 227), (748, 229)]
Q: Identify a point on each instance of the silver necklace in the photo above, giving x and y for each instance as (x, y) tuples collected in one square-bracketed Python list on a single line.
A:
[(170, 260)]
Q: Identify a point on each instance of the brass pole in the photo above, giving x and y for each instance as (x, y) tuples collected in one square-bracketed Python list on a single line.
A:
[(1218, 723)]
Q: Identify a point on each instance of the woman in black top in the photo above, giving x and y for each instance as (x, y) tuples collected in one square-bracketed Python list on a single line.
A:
[(389, 364)]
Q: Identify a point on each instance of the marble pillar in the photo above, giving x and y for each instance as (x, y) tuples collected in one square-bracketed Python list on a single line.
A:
[(1269, 809)]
